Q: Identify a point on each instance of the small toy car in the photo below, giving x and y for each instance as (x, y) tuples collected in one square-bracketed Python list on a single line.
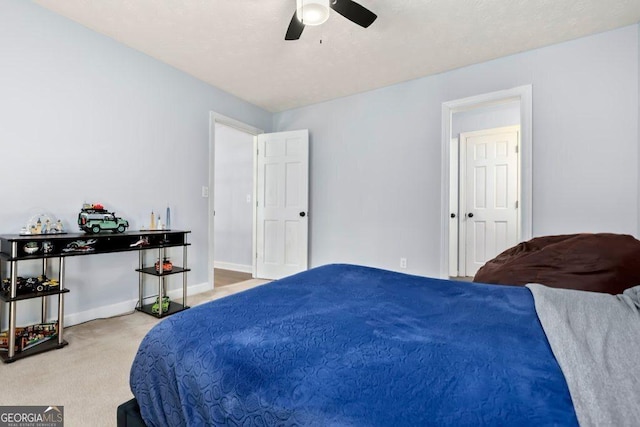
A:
[(143, 241), (95, 218), (165, 305), (27, 285), (80, 246), (45, 284), (167, 265)]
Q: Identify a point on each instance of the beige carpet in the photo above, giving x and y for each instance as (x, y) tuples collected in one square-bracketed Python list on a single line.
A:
[(90, 376)]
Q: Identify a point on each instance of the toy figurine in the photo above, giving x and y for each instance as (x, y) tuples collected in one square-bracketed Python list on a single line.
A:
[(47, 247)]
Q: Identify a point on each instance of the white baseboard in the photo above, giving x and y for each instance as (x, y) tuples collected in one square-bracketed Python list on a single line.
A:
[(125, 307), (233, 267), (100, 312)]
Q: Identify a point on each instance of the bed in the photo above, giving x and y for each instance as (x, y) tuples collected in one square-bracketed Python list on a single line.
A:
[(348, 345)]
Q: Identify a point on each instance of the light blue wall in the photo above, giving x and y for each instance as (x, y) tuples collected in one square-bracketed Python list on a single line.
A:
[(84, 118), (376, 158)]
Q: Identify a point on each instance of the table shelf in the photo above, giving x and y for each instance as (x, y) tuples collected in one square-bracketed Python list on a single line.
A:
[(15, 248)]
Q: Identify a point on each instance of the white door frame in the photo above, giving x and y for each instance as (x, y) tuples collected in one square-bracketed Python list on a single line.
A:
[(523, 94), (216, 118)]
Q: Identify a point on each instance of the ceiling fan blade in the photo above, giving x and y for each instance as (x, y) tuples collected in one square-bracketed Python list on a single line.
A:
[(354, 12), (295, 28)]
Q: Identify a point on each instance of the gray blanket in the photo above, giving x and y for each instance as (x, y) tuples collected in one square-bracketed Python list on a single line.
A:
[(596, 340)]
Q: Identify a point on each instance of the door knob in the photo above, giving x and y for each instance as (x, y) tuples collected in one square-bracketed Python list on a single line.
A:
[(302, 214), (453, 215), (470, 214)]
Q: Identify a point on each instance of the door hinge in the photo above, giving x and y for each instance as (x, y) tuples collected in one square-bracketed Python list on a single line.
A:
[(517, 148), (516, 204)]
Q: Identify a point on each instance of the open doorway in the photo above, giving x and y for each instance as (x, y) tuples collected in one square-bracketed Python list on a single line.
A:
[(464, 117), (233, 205), (232, 148), (280, 214)]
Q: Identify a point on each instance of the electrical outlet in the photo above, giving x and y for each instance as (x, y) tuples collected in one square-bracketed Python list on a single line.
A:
[(403, 263), (205, 191)]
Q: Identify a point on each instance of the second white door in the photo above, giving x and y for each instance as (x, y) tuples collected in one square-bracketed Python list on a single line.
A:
[(488, 195)]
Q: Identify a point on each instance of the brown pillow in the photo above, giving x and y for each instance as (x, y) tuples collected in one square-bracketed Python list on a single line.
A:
[(603, 262)]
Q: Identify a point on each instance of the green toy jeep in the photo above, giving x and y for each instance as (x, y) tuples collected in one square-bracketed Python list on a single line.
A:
[(94, 219)]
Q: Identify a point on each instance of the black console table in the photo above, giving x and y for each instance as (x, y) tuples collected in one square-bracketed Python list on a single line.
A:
[(45, 247)]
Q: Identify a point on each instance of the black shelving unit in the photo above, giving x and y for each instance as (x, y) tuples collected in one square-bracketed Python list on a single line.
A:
[(7, 298), (161, 276), (152, 271), (52, 344), (12, 250), (15, 248)]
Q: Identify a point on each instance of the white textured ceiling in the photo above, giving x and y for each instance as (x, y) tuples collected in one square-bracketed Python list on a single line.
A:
[(239, 46)]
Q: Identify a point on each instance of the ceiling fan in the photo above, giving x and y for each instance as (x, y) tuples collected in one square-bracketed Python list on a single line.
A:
[(316, 12)]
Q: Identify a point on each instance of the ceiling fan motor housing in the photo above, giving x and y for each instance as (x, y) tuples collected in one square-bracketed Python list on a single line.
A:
[(315, 12), (312, 12)]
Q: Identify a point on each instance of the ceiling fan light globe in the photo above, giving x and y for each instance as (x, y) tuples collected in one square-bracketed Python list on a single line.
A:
[(312, 12)]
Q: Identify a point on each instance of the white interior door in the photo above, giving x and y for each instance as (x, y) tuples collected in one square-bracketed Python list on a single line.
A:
[(282, 204), (489, 195)]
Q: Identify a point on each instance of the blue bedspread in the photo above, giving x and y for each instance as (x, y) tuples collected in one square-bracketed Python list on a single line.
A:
[(345, 345)]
